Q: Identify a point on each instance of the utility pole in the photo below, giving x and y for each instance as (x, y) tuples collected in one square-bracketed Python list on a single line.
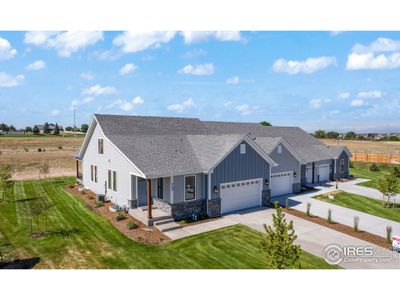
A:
[(74, 121)]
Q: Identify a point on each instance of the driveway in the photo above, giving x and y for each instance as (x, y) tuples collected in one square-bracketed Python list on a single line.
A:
[(340, 214), (312, 237)]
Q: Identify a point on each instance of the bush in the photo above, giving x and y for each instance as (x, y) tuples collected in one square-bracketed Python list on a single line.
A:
[(183, 222), (356, 222), (99, 204), (329, 218), (389, 234), (120, 216), (287, 203), (308, 209), (132, 225), (59, 147), (373, 167), (395, 171)]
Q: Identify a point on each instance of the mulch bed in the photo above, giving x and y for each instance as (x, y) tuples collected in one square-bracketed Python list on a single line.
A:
[(362, 235), (141, 234)]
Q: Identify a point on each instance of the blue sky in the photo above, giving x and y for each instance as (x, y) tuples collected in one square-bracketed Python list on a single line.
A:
[(329, 80)]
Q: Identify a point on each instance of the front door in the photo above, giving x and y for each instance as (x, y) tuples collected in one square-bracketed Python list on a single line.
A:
[(142, 192)]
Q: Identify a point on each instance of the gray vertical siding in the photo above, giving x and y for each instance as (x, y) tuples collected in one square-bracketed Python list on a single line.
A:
[(237, 167), (345, 174), (286, 162), (303, 178)]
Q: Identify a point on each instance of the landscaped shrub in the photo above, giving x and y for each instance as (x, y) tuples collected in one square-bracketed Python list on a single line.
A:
[(308, 209), (287, 203), (395, 171), (120, 216), (132, 225), (356, 222), (329, 218), (373, 167), (99, 204), (183, 222), (389, 234)]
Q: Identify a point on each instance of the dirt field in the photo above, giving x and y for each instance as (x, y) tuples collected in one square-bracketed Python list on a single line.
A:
[(373, 147), (23, 154)]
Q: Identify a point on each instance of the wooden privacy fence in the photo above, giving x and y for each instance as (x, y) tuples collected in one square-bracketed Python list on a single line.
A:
[(377, 158)]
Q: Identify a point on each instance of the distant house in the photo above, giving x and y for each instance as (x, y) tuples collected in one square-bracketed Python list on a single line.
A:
[(51, 127)]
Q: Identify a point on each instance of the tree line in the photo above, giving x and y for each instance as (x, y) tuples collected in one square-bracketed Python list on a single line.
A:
[(46, 128), (351, 135)]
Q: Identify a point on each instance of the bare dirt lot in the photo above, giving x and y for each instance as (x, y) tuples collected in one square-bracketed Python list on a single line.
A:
[(23, 153), (373, 147)]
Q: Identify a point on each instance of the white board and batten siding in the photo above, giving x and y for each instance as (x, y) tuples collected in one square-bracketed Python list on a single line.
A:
[(240, 195), (111, 159)]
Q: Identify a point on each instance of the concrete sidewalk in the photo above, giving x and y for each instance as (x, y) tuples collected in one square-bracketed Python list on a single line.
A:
[(312, 237)]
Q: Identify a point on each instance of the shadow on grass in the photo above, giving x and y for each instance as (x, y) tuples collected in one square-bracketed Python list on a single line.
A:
[(64, 232), (27, 199), (27, 263)]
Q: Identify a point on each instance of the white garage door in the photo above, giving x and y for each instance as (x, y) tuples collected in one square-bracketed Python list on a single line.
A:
[(240, 195), (323, 172), (281, 183)]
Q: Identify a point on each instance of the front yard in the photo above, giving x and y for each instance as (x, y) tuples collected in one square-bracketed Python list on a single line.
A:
[(80, 238), (361, 170), (363, 204)]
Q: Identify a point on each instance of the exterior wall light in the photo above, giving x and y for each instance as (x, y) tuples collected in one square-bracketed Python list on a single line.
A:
[(266, 181), (294, 174), (216, 190)]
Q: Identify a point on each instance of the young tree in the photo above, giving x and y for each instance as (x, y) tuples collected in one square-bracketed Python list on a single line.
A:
[(44, 170), (69, 128), (320, 134), (45, 205), (35, 130), (28, 129), (350, 135), (46, 128), (84, 128), (389, 186), (278, 243), (265, 123), (6, 172), (56, 130), (332, 135), (12, 128)]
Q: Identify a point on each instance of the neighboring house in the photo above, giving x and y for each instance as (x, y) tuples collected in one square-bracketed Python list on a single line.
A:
[(51, 127), (188, 167)]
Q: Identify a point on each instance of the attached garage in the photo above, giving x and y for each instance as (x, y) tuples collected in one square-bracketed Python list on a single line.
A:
[(240, 195), (281, 183), (323, 172)]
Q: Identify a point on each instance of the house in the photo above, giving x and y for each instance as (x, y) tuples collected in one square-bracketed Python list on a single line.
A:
[(52, 127), (186, 167)]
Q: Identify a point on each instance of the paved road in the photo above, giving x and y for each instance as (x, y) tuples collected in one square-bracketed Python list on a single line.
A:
[(312, 237)]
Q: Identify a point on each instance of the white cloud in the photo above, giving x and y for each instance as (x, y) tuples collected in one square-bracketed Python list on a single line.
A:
[(245, 109), (6, 50), (370, 94), (308, 66), (191, 37), (54, 112), (194, 53), (334, 112), (228, 103), (87, 76), (76, 103), (138, 41), (126, 105), (65, 43), (344, 95), (357, 102), (317, 103), (373, 56), (7, 80), (182, 107), (336, 33), (199, 70), (97, 90), (36, 65), (128, 68), (233, 80)]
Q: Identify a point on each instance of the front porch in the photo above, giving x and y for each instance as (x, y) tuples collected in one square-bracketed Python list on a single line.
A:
[(141, 213)]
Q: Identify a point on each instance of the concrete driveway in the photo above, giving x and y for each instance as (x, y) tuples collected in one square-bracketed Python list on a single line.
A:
[(312, 237)]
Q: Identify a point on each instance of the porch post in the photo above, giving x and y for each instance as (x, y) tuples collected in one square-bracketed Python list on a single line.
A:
[(77, 169), (149, 214)]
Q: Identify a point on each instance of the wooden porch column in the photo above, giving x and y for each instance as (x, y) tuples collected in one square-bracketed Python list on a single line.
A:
[(149, 214), (77, 169)]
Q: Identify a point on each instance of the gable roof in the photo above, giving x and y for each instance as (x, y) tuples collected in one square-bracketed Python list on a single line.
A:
[(165, 146)]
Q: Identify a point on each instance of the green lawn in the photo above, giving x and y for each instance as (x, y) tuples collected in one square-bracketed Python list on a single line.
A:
[(83, 239), (361, 170), (363, 204)]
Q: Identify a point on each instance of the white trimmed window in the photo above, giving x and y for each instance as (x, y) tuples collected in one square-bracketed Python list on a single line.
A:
[(109, 182), (160, 188), (95, 173), (242, 148), (100, 146), (91, 173), (341, 165), (279, 149), (190, 187), (114, 181)]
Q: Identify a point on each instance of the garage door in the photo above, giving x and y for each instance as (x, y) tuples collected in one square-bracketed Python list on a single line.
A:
[(323, 172), (240, 195), (281, 183)]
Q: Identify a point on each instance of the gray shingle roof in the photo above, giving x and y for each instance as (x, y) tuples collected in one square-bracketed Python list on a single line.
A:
[(163, 146)]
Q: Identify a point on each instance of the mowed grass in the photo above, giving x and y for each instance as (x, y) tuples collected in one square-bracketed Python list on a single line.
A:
[(361, 170), (363, 204), (82, 239)]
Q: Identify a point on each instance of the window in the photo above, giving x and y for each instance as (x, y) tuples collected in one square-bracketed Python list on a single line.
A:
[(95, 173), (242, 148), (341, 165), (190, 187), (114, 181), (160, 188), (100, 144), (109, 179), (91, 173), (279, 149)]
